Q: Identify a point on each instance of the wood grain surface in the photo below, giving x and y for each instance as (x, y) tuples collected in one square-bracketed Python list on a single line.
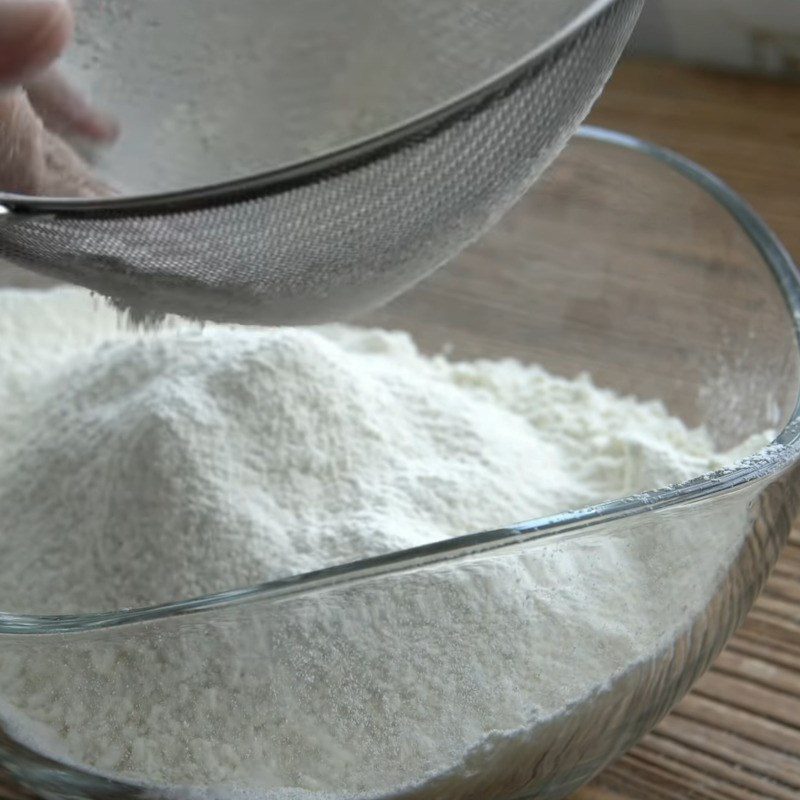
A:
[(737, 735)]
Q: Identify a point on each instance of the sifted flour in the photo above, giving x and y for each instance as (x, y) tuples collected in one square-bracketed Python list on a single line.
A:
[(141, 468)]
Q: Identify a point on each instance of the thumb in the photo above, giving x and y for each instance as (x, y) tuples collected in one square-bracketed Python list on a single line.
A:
[(32, 35)]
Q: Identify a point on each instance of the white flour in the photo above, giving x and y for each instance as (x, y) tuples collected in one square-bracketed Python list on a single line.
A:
[(137, 469)]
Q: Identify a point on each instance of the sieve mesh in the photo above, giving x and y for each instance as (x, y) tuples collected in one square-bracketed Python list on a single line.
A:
[(339, 242)]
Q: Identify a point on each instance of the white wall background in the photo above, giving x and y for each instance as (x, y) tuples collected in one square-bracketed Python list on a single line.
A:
[(760, 35)]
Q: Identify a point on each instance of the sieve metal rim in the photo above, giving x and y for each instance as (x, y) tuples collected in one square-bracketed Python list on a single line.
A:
[(313, 169)]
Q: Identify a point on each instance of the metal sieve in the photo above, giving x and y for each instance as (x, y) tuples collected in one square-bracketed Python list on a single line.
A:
[(298, 161)]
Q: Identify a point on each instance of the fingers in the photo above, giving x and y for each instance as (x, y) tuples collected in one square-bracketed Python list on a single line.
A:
[(64, 110), (32, 35), (34, 161), (66, 174), (21, 135)]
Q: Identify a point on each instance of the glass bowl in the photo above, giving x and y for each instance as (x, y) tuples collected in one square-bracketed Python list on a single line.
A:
[(626, 262)]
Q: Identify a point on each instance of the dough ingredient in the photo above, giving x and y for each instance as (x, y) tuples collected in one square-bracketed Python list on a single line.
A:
[(141, 468)]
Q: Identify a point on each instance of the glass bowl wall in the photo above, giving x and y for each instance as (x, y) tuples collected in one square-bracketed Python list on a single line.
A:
[(625, 262)]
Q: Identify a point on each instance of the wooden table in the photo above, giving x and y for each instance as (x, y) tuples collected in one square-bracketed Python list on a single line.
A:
[(737, 735)]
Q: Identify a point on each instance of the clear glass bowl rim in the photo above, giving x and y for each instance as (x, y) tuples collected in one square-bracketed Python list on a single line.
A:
[(784, 452)]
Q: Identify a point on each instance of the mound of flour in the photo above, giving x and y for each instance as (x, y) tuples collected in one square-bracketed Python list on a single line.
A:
[(141, 468)]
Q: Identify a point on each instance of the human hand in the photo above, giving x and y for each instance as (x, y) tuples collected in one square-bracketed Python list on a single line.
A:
[(38, 107)]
